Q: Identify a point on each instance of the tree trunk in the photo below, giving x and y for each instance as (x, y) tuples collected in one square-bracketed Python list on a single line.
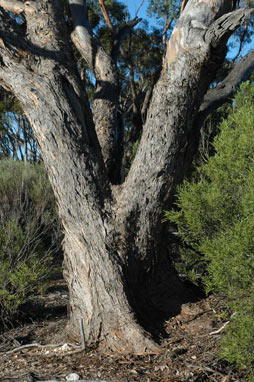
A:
[(116, 261)]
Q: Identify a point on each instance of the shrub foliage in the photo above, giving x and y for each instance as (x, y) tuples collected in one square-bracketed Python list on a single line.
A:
[(29, 234), (215, 219)]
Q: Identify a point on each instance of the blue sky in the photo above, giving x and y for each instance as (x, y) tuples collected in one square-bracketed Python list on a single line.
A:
[(133, 5)]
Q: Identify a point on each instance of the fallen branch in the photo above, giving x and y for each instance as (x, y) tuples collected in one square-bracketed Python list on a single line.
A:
[(42, 346), (215, 331), (220, 329)]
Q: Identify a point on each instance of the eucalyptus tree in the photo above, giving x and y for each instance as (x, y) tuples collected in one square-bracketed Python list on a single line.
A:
[(16, 136), (116, 260)]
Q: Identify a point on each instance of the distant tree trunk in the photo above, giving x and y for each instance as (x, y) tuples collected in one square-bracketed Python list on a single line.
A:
[(116, 261)]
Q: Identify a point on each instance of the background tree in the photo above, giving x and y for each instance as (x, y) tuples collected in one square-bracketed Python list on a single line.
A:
[(116, 260), (16, 136)]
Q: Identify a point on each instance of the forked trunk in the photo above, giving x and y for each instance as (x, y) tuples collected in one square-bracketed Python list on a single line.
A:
[(116, 261)]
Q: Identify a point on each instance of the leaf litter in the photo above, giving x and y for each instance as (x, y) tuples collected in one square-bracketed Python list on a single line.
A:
[(188, 354)]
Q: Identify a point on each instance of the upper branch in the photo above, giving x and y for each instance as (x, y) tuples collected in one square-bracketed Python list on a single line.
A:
[(88, 45), (105, 103), (216, 97), (12, 6), (120, 36), (220, 31), (105, 14), (195, 51)]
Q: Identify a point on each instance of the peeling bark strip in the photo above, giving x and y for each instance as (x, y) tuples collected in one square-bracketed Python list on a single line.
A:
[(116, 261)]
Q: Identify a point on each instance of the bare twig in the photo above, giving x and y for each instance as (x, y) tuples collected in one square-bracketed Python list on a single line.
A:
[(105, 14), (216, 97), (220, 329), (183, 5), (140, 5), (120, 36), (42, 346), (241, 40), (167, 25)]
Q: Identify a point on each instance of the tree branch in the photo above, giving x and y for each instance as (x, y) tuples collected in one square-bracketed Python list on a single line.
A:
[(12, 6), (43, 346), (148, 94), (183, 5), (105, 14), (86, 42), (167, 25), (105, 104), (241, 40), (216, 97), (221, 29), (120, 36), (169, 138), (139, 7)]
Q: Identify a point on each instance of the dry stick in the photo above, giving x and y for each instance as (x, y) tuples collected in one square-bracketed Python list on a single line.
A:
[(220, 329), (42, 346), (183, 5), (246, 25), (81, 327), (105, 14), (140, 5), (54, 380), (83, 346), (216, 331)]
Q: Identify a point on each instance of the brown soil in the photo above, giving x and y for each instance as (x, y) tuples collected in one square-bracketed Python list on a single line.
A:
[(190, 353)]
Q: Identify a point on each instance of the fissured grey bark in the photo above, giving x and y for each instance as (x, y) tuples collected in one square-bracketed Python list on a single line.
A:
[(116, 260)]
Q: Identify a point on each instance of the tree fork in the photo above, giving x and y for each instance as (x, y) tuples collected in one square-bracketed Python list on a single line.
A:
[(114, 239)]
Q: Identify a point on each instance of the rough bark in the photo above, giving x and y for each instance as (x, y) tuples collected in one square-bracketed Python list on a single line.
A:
[(189, 68), (216, 97), (52, 99), (116, 262)]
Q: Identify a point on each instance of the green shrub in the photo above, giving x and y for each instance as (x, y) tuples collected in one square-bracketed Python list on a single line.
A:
[(29, 234), (215, 220), (238, 343)]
